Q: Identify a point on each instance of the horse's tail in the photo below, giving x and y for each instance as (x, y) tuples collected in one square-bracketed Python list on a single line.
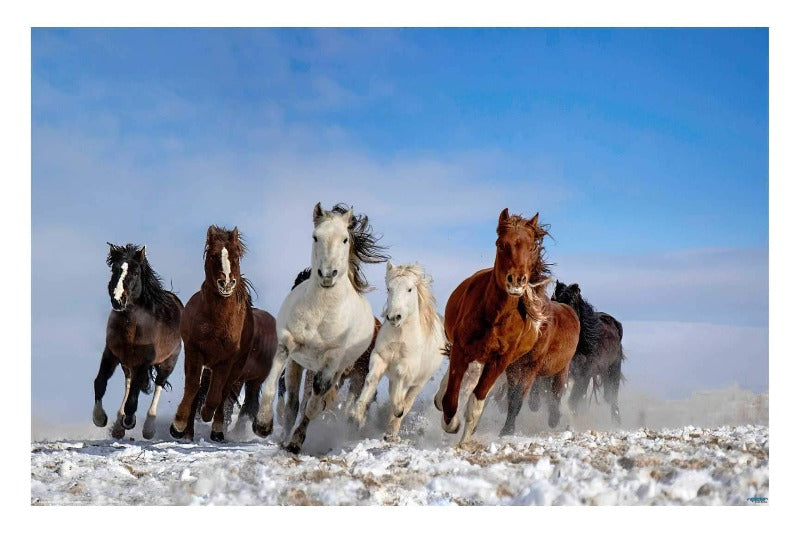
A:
[(301, 277)]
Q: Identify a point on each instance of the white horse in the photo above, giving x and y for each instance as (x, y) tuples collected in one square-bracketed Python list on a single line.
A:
[(411, 350), (325, 323)]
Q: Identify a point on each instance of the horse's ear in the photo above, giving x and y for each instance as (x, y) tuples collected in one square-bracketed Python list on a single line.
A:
[(503, 216), (575, 287), (534, 222), (110, 247), (140, 254), (389, 266), (318, 213), (235, 235), (348, 217), (212, 231)]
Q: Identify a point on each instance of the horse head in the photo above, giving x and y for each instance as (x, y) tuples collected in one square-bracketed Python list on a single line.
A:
[(125, 285), (223, 253), (519, 244)]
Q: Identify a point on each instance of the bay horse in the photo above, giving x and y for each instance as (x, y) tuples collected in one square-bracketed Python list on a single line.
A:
[(223, 335), (326, 323), (142, 335), (548, 363), (410, 350), (598, 358), (494, 317)]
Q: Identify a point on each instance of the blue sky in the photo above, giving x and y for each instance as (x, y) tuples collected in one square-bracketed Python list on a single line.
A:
[(645, 149)]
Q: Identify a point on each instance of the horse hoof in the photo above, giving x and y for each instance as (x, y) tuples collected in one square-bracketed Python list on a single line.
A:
[(262, 430), (100, 419), (506, 431), (293, 448), (399, 414), (175, 433), (117, 431), (437, 403), (149, 428), (552, 420), (447, 427), (217, 436), (129, 422)]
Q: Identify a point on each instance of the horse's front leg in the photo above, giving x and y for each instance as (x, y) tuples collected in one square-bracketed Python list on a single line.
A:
[(324, 382), (491, 370), (407, 401), (377, 367), (455, 373), (262, 424), (108, 363)]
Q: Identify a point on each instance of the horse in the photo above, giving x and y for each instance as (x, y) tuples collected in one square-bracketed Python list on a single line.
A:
[(142, 335), (325, 324), (410, 351), (355, 376), (493, 318), (224, 336), (548, 363), (599, 356)]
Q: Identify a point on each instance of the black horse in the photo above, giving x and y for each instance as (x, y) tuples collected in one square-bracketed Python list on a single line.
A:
[(598, 357), (142, 334)]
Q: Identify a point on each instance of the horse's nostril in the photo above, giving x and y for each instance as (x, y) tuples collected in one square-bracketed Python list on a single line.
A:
[(334, 273), (510, 278), (221, 283), (319, 272), (233, 283)]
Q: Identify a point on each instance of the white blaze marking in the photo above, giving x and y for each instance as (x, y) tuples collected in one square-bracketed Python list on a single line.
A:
[(154, 404), (118, 289), (226, 265)]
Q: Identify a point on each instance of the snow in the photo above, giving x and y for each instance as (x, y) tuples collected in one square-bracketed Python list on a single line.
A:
[(721, 458)]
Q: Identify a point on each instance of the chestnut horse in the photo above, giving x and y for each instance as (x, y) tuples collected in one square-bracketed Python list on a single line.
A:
[(493, 317), (142, 335), (225, 335)]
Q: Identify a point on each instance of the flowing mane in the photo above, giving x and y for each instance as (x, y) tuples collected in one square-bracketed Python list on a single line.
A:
[(425, 297), (154, 297), (364, 248)]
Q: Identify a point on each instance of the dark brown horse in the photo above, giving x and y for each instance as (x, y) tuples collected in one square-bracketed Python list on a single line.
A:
[(224, 334), (493, 317), (142, 335), (549, 361)]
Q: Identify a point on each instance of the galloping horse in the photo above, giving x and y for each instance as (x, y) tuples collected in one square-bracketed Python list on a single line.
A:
[(410, 350), (599, 355), (325, 323), (548, 362), (493, 318), (225, 335), (142, 334)]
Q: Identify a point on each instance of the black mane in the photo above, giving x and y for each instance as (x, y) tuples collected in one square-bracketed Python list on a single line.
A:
[(364, 246), (591, 332)]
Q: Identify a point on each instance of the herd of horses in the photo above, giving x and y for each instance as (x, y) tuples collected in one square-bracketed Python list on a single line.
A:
[(499, 320)]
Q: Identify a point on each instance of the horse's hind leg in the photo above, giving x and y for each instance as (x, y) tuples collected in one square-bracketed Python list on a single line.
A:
[(559, 383), (108, 363), (538, 390), (163, 371), (611, 388), (262, 425), (325, 384), (377, 367), (252, 395), (118, 431), (578, 394), (519, 380)]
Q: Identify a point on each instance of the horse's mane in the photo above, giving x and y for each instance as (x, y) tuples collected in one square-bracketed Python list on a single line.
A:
[(154, 296), (244, 289), (425, 297), (591, 328), (301, 277), (364, 247)]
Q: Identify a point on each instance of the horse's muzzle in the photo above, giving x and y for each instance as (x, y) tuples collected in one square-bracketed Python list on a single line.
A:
[(119, 305), (515, 290), (327, 283)]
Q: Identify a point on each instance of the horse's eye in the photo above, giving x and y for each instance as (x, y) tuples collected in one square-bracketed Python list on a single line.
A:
[(345, 240), (315, 238)]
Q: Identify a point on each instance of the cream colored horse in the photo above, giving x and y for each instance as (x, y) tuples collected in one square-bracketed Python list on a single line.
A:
[(409, 347)]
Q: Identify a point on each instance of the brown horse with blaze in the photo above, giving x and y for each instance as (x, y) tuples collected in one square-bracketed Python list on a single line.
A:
[(494, 317), (225, 335)]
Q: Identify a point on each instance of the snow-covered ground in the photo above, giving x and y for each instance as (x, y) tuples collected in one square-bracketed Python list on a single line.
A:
[(723, 458)]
